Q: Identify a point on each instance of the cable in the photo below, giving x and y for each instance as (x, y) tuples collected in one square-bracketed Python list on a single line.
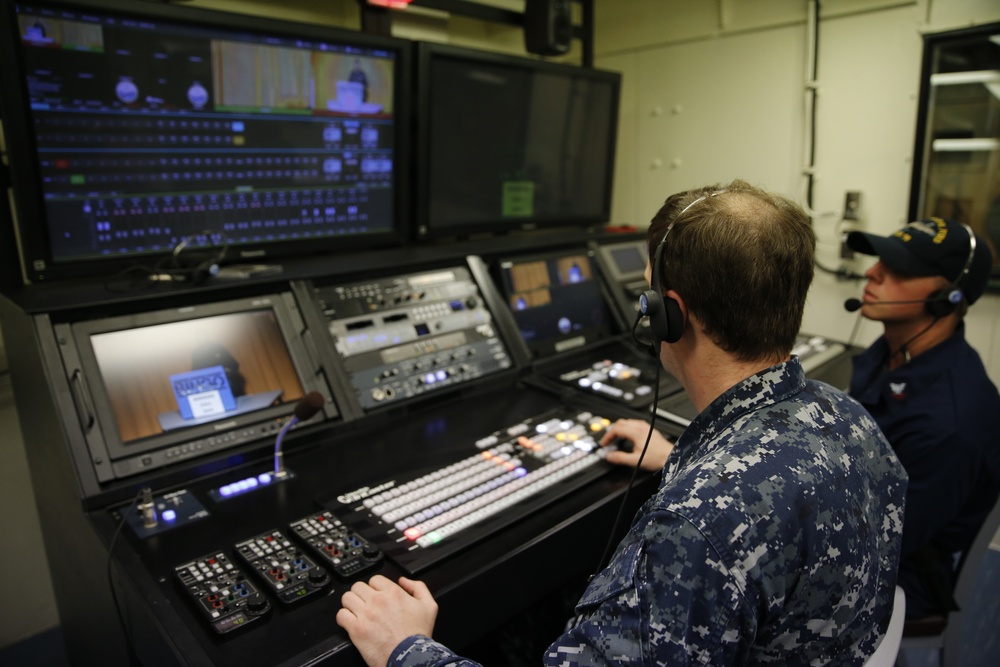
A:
[(635, 472), (842, 272), (171, 268), (133, 658), (854, 330)]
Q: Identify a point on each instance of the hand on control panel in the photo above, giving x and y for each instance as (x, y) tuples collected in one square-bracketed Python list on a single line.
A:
[(627, 437), (380, 614)]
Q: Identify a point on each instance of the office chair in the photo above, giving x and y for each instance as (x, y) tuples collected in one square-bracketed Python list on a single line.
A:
[(968, 636), (888, 648)]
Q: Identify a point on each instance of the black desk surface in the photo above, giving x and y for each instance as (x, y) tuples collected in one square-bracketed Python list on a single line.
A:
[(477, 588)]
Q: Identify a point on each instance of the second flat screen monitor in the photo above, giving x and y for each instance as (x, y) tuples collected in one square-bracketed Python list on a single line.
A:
[(510, 143)]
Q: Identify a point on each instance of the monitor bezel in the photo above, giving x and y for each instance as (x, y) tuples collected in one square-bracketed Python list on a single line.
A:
[(38, 265), (110, 440), (618, 274), (427, 229)]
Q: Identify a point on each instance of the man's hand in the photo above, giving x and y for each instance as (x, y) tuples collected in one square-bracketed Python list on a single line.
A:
[(635, 431), (380, 614)]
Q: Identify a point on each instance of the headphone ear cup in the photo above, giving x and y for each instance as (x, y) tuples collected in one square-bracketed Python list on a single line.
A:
[(666, 323), (942, 302), (674, 320), (651, 306), (203, 271)]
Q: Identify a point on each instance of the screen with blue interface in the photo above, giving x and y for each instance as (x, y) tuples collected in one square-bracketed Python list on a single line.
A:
[(147, 129)]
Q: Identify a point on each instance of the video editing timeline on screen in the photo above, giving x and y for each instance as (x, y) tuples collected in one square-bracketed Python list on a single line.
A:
[(431, 515), (400, 337), (148, 131)]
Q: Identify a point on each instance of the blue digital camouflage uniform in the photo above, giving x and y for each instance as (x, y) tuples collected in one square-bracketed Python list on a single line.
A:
[(773, 539)]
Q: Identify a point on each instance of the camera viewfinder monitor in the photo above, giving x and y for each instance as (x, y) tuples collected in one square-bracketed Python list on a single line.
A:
[(134, 126), (508, 143), (557, 301), (166, 386)]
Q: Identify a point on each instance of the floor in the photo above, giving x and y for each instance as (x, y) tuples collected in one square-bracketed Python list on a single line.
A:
[(42, 650)]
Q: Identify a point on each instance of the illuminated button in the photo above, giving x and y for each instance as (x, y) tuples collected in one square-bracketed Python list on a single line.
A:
[(168, 515), (411, 533), (264, 478)]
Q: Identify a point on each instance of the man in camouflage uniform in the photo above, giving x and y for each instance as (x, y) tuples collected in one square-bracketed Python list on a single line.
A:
[(774, 535)]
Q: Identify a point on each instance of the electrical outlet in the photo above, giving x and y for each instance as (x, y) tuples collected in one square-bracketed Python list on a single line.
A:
[(845, 251), (852, 205)]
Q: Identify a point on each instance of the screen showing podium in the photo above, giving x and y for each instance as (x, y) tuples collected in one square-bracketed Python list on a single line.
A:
[(155, 123), (155, 389)]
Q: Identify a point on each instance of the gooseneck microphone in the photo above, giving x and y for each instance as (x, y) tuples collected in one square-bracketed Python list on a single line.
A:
[(308, 406)]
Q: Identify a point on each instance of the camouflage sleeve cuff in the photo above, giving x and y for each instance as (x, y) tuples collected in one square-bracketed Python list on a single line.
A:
[(420, 651)]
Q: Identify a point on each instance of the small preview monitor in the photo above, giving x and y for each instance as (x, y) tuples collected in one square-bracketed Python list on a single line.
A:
[(625, 261), (171, 384), (557, 301)]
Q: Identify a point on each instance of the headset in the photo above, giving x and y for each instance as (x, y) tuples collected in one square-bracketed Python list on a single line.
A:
[(194, 269), (666, 322), (943, 302)]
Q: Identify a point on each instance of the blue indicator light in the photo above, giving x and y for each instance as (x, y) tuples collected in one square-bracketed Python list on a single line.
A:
[(520, 472), (169, 515), (441, 375), (226, 490), (264, 478)]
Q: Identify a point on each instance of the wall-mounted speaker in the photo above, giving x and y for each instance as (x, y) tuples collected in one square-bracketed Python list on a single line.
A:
[(548, 26)]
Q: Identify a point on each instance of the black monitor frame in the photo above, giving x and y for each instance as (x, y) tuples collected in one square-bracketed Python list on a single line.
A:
[(115, 456), (425, 225), (616, 255), (38, 259)]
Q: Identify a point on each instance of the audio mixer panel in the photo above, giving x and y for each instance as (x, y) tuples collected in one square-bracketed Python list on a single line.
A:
[(337, 545), (421, 519), (288, 573), (222, 591), (406, 336)]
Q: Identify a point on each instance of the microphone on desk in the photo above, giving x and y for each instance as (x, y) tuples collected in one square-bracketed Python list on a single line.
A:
[(148, 509), (308, 406)]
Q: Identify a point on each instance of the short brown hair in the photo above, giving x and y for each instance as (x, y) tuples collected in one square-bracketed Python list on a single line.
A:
[(742, 259)]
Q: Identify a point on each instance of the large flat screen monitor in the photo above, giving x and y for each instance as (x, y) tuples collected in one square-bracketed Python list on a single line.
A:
[(162, 387), (507, 143), (132, 126)]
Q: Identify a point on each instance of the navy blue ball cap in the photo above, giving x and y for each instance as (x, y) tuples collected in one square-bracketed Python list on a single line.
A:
[(931, 247)]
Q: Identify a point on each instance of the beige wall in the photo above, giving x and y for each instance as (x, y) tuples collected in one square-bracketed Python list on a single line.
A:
[(715, 90)]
